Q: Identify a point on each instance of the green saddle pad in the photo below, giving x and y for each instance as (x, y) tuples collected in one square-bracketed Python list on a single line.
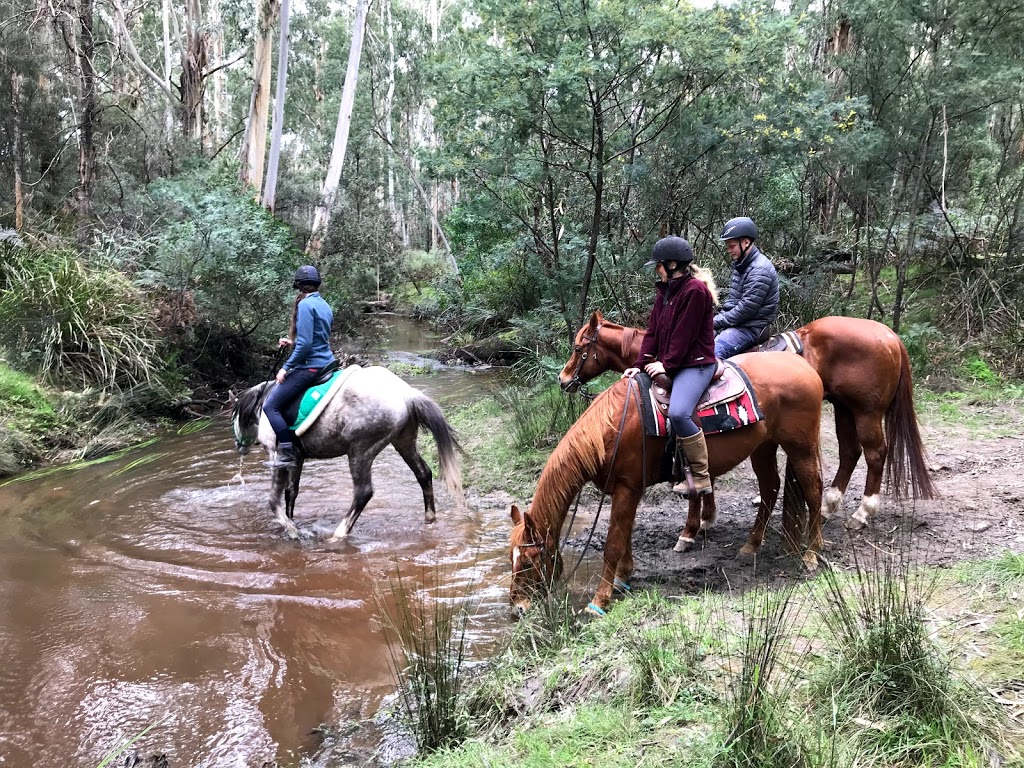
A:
[(312, 397)]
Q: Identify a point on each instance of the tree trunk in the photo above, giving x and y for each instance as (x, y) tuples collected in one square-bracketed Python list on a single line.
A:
[(595, 232), (87, 118), (322, 215), (169, 109), (16, 151), (270, 189), (389, 129), (254, 146), (215, 133), (194, 57), (426, 202)]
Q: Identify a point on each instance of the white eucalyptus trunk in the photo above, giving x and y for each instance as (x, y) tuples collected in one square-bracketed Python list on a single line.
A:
[(270, 188), (254, 147), (322, 214), (165, 17)]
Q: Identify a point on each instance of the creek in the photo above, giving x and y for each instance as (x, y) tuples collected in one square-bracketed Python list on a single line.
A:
[(156, 590)]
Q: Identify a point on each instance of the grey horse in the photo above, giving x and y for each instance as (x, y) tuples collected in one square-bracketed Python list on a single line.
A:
[(373, 408)]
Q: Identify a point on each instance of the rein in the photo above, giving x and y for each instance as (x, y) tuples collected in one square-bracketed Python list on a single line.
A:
[(631, 391)]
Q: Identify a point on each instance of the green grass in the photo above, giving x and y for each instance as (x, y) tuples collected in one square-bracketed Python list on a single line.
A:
[(979, 411), (732, 681), (19, 391)]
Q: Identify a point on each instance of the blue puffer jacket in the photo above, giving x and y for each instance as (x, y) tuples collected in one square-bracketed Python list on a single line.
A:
[(753, 294), (312, 334)]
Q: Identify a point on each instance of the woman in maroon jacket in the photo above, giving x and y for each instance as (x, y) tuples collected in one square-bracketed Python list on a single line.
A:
[(680, 343)]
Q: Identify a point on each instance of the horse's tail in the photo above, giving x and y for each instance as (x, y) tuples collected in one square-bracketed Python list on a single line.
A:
[(428, 414), (905, 464)]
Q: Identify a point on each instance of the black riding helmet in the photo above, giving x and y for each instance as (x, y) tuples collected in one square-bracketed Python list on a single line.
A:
[(741, 226), (306, 275), (671, 248)]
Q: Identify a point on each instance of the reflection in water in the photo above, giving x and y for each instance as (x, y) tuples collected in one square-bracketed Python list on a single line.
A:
[(141, 593)]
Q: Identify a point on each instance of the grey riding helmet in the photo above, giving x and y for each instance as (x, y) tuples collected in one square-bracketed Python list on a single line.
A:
[(741, 226)]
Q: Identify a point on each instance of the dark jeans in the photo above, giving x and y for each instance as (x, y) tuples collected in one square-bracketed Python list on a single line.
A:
[(282, 395), (732, 341), (687, 387)]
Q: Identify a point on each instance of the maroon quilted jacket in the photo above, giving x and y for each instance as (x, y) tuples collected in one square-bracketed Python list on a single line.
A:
[(679, 331)]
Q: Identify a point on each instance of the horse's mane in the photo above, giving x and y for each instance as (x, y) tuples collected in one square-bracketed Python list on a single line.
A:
[(576, 459), (247, 407)]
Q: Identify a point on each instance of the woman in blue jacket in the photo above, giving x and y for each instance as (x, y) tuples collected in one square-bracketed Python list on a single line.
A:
[(311, 334)]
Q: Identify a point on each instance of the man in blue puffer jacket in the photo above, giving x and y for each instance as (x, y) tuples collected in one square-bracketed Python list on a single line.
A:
[(753, 302)]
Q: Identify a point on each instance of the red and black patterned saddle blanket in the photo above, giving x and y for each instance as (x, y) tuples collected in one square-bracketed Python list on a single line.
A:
[(729, 403)]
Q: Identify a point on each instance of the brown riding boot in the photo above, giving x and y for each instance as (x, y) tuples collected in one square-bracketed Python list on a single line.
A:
[(696, 452)]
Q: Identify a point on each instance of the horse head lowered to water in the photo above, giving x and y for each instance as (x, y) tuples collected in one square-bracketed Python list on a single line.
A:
[(607, 446), (373, 408), (865, 370)]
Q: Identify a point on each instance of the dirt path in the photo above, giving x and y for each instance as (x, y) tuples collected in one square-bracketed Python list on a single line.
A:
[(979, 472)]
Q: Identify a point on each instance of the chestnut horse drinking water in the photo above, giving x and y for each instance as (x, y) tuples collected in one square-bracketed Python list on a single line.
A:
[(607, 446), (866, 374)]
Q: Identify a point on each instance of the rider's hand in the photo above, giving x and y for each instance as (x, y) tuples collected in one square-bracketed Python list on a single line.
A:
[(280, 376), (653, 369), (284, 342), (629, 373)]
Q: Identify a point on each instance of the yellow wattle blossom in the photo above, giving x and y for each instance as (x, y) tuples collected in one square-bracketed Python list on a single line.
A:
[(760, 117)]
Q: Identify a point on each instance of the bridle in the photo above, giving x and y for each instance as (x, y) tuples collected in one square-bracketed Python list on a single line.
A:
[(581, 387)]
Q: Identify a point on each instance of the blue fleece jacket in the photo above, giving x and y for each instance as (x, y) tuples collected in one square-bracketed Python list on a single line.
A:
[(312, 334)]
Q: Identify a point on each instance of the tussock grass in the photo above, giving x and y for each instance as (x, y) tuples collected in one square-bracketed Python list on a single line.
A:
[(425, 629), (764, 730), (540, 417), (80, 325), (888, 683)]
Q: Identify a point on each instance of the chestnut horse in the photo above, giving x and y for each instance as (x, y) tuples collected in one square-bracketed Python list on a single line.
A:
[(865, 370), (607, 446)]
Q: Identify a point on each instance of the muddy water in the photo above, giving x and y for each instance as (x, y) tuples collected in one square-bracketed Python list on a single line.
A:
[(155, 590)]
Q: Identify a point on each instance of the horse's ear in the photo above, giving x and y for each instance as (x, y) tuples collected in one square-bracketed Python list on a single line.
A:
[(517, 516), (596, 318)]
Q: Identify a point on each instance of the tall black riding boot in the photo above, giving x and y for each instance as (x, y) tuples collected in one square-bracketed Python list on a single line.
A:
[(284, 458)]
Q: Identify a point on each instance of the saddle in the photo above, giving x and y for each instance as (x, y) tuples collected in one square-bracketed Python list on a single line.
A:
[(787, 341), (728, 402), (661, 385), (301, 408)]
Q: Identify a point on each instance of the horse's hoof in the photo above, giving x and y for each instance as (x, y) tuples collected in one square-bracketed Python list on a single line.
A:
[(706, 525), (854, 523), (683, 544), (595, 610), (291, 533), (621, 586), (749, 550), (830, 502), (811, 561)]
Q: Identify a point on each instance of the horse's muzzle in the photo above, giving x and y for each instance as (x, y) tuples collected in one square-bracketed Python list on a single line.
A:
[(243, 450)]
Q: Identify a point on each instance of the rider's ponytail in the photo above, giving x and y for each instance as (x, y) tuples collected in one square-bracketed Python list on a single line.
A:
[(304, 291), (707, 277)]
